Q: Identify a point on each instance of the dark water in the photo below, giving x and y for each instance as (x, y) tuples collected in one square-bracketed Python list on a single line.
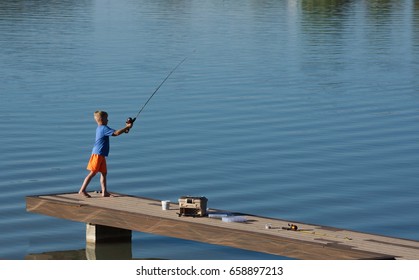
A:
[(299, 110)]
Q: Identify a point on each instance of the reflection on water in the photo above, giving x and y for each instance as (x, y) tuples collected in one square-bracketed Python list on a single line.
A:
[(58, 255), (110, 251)]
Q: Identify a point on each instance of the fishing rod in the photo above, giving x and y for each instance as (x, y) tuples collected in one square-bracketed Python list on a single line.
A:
[(132, 120)]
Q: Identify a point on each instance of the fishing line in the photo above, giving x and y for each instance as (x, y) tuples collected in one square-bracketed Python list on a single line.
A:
[(132, 120)]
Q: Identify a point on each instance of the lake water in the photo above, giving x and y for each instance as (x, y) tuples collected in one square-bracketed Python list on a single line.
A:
[(288, 109)]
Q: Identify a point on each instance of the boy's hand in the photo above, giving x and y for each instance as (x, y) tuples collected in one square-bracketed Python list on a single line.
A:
[(128, 124)]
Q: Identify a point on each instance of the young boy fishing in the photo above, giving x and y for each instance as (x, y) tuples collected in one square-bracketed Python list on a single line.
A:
[(97, 162)]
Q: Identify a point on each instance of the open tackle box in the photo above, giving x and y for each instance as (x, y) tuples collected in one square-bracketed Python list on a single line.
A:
[(195, 206)]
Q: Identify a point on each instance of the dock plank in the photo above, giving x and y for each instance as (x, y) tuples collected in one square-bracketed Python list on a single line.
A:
[(142, 214)]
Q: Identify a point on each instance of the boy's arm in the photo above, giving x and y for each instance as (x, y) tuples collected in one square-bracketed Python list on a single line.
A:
[(122, 130)]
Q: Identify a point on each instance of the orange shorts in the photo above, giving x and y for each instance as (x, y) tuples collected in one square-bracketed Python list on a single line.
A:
[(97, 163)]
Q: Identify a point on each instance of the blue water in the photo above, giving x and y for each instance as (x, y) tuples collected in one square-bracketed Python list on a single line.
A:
[(288, 109)]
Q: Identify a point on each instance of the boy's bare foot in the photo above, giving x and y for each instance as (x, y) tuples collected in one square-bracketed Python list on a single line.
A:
[(85, 194), (106, 194)]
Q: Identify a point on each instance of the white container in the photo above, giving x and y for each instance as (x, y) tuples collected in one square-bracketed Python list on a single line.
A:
[(217, 215), (234, 219), (165, 204)]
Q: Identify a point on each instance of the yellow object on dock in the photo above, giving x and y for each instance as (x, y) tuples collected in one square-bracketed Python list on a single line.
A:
[(310, 242)]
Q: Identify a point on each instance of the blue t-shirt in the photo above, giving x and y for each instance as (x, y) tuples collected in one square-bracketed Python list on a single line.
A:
[(101, 146)]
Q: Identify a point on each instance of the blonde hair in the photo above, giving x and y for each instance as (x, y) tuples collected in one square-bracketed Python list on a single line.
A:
[(100, 115)]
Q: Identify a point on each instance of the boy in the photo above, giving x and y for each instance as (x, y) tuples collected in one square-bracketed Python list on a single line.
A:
[(97, 162)]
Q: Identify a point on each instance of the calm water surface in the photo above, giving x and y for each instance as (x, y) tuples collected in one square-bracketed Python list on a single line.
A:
[(288, 109)]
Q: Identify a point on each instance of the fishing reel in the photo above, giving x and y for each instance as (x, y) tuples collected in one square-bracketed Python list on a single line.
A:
[(130, 121), (291, 227)]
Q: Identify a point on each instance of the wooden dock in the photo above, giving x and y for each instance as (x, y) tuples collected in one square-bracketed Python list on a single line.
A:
[(310, 242)]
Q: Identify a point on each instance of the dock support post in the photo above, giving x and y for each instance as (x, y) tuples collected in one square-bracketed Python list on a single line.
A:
[(108, 243), (103, 234)]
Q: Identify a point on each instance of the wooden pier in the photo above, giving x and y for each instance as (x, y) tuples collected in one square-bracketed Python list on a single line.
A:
[(124, 213)]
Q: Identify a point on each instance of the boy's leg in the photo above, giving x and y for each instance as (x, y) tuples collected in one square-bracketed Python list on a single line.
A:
[(86, 183), (103, 184)]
